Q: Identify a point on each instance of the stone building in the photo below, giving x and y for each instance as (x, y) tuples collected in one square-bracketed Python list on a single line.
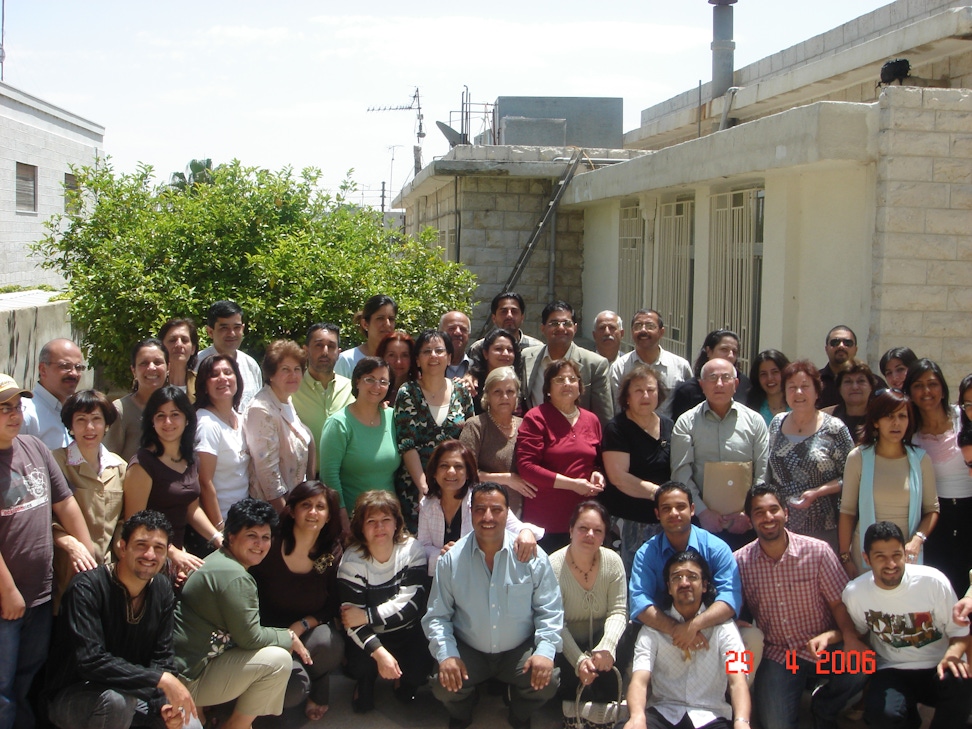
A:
[(39, 143), (804, 196)]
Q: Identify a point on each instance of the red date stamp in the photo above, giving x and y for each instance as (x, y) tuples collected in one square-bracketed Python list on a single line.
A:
[(739, 662), (837, 662)]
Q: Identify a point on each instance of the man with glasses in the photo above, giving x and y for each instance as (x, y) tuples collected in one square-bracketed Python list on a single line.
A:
[(723, 442), (60, 366), (667, 669), (559, 328), (33, 492), (647, 330)]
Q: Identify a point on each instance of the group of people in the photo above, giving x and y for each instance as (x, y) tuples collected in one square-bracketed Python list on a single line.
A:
[(278, 502)]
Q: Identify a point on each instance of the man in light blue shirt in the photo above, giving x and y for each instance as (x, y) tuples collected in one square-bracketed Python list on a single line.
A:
[(491, 615), (60, 366)]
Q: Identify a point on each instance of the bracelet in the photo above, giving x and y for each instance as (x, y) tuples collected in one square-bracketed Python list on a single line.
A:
[(845, 557), (305, 624), (921, 536), (212, 539), (739, 718)]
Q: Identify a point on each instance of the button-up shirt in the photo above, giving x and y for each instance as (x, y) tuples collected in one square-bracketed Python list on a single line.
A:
[(42, 418), (701, 436), (315, 402), (671, 369), (459, 370), (790, 597), (694, 687), (496, 610), (647, 584)]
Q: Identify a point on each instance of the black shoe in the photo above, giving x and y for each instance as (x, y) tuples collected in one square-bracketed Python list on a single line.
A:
[(517, 723), (455, 723), (405, 693), (363, 700)]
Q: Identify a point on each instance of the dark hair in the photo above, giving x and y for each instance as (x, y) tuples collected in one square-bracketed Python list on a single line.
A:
[(498, 299), (964, 386), (711, 341), (690, 555), (856, 367), (480, 366), (595, 506), (277, 351), (964, 437), (193, 336), (468, 459), (838, 327), (249, 512), (380, 501), (365, 366), (882, 531), (321, 325), (557, 305), (377, 301), (487, 487), (669, 486), (643, 312), (806, 367), (405, 338), (329, 536), (427, 336), (150, 439), (554, 369), (222, 310), (757, 395), (884, 403), (206, 372), (917, 369), (85, 401), (758, 490), (149, 343), (149, 520), (904, 354), (638, 372)]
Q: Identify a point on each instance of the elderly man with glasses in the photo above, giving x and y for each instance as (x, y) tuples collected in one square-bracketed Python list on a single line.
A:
[(60, 366)]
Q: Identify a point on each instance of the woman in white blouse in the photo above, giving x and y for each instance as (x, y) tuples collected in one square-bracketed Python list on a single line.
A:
[(279, 444)]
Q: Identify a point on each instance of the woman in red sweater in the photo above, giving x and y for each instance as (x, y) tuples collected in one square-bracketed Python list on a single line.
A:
[(558, 449)]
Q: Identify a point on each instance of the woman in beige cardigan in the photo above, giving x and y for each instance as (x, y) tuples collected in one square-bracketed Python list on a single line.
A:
[(281, 455)]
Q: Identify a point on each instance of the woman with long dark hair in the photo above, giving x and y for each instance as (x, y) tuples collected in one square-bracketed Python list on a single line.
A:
[(766, 384), (376, 321), (181, 340)]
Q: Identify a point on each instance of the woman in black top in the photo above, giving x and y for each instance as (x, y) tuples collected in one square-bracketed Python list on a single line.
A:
[(637, 458)]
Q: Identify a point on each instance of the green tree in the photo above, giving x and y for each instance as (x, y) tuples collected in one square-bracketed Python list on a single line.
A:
[(136, 253)]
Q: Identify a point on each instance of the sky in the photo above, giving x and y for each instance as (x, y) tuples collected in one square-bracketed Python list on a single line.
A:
[(289, 83)]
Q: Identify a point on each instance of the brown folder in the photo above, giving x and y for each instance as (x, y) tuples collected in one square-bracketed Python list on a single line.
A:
[(726, 484)]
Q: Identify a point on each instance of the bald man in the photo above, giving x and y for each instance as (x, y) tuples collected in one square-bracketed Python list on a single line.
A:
[(60, 366)]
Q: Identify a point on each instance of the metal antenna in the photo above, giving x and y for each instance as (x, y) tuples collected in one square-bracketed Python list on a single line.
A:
[(416, 105)]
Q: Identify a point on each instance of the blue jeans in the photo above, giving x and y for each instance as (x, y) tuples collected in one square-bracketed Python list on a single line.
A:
[(777, 692), (633, 535), (23, 650)]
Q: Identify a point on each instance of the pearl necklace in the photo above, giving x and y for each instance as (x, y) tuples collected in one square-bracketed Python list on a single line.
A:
[(508, 430)]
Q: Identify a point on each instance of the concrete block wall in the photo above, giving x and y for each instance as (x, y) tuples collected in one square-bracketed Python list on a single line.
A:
[(922, 257)]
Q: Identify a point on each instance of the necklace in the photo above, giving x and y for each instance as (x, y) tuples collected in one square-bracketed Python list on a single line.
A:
[(587, 574), (433, 397), (572, 415), (134, 604), (372, 422), (508, 430)]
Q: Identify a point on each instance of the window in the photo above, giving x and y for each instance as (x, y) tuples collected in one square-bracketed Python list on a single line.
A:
[(71, 203), (26, 188)]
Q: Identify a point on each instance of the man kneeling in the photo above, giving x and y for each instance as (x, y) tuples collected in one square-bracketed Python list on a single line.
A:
[(688, 687), (112, 661)]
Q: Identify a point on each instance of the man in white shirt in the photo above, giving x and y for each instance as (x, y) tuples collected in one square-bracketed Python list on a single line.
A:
[(647, 330), (905, 610), (688, 687), (225, 327), (60, 366)]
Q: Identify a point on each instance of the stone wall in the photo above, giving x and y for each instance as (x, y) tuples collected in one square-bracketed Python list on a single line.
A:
[(922, 258)]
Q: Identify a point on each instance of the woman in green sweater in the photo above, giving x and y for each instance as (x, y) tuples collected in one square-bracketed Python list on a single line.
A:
[(358, 449), (221, 649), (594, 589)]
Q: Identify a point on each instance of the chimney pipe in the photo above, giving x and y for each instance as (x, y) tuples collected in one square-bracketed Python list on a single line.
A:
[(723, 47)]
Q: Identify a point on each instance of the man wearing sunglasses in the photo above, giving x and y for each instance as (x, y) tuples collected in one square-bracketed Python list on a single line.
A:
[(841, 346)]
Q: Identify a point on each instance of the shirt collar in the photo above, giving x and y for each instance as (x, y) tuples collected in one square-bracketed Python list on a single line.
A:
[(107, 458), (44, 395)]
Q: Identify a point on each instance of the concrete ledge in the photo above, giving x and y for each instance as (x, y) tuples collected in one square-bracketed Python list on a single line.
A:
[(828, 131)]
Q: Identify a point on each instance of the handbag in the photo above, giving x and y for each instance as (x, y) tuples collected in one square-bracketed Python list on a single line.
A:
[(595, 714)]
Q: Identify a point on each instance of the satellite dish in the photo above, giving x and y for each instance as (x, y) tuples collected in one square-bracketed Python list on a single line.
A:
[(451, 134)]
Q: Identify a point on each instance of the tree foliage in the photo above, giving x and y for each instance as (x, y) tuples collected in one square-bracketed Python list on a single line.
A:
[(136, 253)]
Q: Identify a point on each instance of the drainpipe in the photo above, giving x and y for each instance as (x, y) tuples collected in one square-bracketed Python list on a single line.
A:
[(723, 46), (552, 263)]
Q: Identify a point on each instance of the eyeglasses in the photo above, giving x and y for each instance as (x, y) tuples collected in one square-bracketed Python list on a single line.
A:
[(723, 378), (372, 381), (966, 406), (692, 577), (7, 409), (565, 380), (69, 367), (837, 341), (437, 351), (559, 323), (645, 326)]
